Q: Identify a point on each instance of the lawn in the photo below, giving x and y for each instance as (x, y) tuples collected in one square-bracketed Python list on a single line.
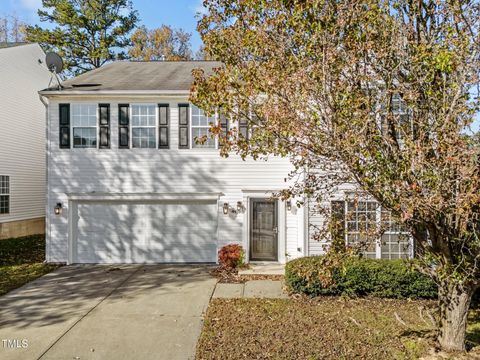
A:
[(21, 261), (323, 328)]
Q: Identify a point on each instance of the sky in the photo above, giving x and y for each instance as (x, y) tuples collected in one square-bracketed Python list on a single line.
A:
[(153, 13)]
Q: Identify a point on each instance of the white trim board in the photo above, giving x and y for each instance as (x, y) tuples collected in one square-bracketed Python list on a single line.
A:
[(143, 196)]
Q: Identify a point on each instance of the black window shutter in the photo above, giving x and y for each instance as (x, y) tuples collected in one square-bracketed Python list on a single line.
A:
[(338, 224), (64, 126), (163, 126), (104, 126), (243, 128), (224, 128), (123, 126), (183, 126)]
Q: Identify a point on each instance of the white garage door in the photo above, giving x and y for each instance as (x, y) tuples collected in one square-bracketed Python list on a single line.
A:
[(145, 232)]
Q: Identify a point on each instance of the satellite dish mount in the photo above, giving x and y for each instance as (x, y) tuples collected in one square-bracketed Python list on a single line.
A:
[(55, 66)]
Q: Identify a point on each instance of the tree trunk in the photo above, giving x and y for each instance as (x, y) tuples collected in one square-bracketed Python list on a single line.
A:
[(454, 305)]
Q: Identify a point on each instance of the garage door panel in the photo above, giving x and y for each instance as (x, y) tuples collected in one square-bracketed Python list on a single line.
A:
[(138, 233)]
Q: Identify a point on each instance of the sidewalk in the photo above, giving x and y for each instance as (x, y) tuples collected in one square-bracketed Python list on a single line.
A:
[(251, 289)]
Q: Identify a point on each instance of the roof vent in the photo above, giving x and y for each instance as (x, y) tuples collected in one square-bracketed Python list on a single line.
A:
[(84, 85)]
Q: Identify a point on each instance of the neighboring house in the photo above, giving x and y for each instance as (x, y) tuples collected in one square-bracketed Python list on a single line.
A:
[(127, 183), (22, 140)]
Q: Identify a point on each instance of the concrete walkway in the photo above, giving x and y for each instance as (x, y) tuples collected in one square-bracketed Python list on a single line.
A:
[(251, 289), (100, 312), (263, 269)]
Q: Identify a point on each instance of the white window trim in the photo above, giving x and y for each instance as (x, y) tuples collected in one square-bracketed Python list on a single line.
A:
[(72, 140), (9, 194), (378, 242), (130, 125), (190, 130)]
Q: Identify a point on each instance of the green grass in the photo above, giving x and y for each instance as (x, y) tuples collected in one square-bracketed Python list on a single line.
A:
[(21, 261)]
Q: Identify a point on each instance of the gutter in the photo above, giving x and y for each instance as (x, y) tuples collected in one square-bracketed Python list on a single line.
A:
[(129, 93)]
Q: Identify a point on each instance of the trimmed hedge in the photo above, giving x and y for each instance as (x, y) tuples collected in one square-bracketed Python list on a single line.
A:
[(359, 277)]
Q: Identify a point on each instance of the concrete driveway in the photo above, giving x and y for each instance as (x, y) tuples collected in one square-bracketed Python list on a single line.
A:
[(107, 312)]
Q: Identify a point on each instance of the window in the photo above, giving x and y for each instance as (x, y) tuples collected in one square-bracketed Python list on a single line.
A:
[(144, 126), (372, 229), (395, 242), (361, 225), (200, 125), (84, 125), (4, 194)]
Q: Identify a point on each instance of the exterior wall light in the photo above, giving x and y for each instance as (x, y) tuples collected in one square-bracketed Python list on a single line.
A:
[(58, 209), (239, 206), (225, 208), (289, 205)]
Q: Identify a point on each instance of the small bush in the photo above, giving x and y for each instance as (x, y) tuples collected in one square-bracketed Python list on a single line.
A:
[(358, 277), (231, 256)]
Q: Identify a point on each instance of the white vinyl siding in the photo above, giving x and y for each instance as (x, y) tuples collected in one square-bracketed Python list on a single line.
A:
[(22, 136), (200, 124), (144, 125), (4, 194), (84, 125), (150, 171)]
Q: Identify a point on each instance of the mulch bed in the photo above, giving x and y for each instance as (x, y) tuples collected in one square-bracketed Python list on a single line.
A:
[(231, 276)]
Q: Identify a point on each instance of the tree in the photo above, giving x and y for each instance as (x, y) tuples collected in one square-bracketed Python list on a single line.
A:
[(163, 43), (12, 29), (375, 93), (88, 33)]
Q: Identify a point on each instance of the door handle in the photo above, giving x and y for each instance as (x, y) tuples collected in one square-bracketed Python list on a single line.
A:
[(275, 229)]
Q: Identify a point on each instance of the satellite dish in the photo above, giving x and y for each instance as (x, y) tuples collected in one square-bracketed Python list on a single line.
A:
[(54, 62)]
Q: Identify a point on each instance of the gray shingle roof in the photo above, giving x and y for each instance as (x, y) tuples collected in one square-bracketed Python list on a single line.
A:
[(138, 76)]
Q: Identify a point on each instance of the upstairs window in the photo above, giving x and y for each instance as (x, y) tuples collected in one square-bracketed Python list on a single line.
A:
[(200, 126), (4, 194), (84, 125), (144, 126)]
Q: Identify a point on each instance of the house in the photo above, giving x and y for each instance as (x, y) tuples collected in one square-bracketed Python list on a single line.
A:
[(22, 140), (127, 183)]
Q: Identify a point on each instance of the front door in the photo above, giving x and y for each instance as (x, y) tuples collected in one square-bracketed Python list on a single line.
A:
[(263, 230)]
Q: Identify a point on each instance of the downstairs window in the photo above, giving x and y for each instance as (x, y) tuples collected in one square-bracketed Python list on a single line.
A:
[(364, 224), (4, 194)]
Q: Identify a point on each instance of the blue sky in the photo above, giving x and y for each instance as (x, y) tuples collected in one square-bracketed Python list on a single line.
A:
[(153, 13)]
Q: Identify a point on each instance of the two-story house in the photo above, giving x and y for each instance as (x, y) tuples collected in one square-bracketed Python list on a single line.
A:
[(22, 140), (127, 183)]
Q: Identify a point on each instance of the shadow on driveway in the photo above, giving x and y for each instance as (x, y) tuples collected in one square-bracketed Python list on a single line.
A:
[(99, 312)]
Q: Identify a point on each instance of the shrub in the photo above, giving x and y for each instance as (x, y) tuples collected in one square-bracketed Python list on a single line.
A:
[(231, 256), (356, 276)]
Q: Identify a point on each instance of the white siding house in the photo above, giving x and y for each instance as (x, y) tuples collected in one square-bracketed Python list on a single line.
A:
[(133, 187), (126, 182), (22, 140)]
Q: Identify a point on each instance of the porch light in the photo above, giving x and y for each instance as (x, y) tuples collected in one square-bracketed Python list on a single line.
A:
[(225, 208), (58, 209), (239, 206), (289, 205)]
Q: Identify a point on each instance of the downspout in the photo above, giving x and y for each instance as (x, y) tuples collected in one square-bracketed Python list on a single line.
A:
[(44, 101)]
